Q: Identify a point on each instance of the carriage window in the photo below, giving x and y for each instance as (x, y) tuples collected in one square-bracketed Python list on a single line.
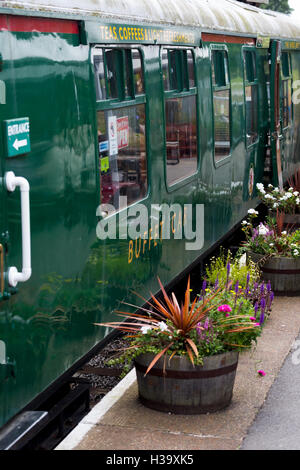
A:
[(137, 72), (251, 96), (99, 75), (180, 113), (286, 64), (286, 89), (178, 69), (221, 103), (112, 57), (121, 130)]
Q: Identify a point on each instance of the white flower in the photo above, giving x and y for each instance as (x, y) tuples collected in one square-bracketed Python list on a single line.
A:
[(260, 187), (271, 244), (276, 190), (245, 222), (296, 193), (162, 326), (262, 230), (291, 189), (145, 329), (269, 196), (275, 205), (252, 211), (270, 186), (295, 252), (297, 201), (283, 233)]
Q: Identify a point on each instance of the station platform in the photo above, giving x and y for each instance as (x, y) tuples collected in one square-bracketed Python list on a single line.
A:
[(120, 422)]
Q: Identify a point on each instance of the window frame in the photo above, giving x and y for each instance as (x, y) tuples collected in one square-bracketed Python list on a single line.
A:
[(227, 158), (246, 83), (283, 79), (169, 94), (111, 104)]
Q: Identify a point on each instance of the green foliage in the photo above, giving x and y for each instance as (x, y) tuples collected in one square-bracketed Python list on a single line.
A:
[(237, 329), (216, 271), (278, 5)]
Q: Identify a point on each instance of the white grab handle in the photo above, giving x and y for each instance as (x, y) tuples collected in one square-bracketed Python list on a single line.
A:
[(14, 276)]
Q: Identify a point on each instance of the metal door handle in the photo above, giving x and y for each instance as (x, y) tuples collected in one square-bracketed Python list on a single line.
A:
[(14, 276)]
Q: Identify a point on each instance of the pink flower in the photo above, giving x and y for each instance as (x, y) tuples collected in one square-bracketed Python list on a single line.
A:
[(261, 373), (257, 324), (224, 308), (252, 318), (227, 315)]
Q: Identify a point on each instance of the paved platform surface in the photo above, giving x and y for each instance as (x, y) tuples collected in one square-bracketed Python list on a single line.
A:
[(277, 425), (254, 418)]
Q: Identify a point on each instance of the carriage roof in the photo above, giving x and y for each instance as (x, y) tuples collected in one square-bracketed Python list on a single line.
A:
[(224, 15)]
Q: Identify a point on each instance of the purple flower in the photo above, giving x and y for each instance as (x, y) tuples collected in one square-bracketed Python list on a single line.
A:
[(236, 289), (269, 286), (205, 331), (228, 268), (204, 285), (248, 279), (256, 308), (217, 282), (228, 273), (262, 309), (247, 292), (255, 234), (262, 288)]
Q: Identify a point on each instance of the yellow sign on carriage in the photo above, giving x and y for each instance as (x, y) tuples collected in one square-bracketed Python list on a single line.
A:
[(126, 33)]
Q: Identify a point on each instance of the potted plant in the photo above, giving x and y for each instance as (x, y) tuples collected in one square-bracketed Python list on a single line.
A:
[(282, 201), (245, 271), (186, 356), (276, 251)]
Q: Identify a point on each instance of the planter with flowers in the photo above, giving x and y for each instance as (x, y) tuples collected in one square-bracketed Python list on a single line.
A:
[(282, 201), (186, 356), (276, 251)]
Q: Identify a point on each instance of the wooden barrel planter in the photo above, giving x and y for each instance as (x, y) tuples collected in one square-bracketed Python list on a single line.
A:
[(291, 222), (282, 272), (185, 389)]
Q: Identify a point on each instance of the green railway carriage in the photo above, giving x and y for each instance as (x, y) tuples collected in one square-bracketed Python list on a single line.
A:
[(125, 104)]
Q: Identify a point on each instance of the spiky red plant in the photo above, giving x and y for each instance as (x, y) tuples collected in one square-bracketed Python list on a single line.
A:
[(294, 181), (180, 319)]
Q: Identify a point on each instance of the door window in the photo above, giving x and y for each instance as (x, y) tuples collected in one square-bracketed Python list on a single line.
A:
[(121, 125), (221, 103), (251, 96), (180, 113), (287, 103)]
